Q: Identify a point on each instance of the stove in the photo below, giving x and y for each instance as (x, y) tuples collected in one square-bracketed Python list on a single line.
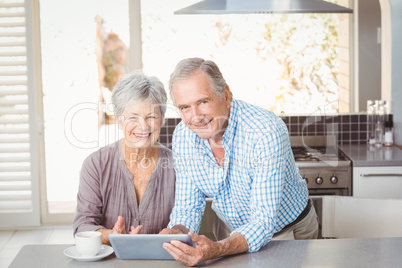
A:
[(318, 154), (326, 169)]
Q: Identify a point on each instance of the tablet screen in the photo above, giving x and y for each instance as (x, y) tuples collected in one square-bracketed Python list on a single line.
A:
[(144, 246)]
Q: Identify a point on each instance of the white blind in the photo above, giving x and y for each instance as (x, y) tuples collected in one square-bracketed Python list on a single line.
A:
[(18, 179)]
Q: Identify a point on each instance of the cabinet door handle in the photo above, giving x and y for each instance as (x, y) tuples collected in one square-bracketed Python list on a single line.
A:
[(381, 175)]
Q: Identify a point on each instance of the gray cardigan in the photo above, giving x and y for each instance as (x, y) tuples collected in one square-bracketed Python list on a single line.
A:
[(106, 191)]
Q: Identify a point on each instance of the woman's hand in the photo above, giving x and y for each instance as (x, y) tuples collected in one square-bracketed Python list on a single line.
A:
[(135, 230), (118, 227)]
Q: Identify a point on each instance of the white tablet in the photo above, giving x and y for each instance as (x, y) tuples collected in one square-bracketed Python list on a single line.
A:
[(144, 246)]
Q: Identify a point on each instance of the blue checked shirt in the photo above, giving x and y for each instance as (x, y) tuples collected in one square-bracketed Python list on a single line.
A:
[(257, 192)]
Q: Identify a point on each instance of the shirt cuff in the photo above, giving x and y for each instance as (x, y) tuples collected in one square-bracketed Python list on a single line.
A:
[(255, 234)]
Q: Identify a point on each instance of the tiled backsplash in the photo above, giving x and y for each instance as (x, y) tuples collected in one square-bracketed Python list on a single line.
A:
[(167, 131), (349, 128)]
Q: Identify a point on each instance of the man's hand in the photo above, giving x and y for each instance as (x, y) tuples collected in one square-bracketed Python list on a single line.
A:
[(177, 229), (205, 249), (169, 231)]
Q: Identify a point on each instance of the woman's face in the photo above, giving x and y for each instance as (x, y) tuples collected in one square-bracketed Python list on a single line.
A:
[(141, 123)]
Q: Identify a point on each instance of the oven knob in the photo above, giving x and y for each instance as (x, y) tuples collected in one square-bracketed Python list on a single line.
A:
[(319, 180), (305, 178), (334, 179)]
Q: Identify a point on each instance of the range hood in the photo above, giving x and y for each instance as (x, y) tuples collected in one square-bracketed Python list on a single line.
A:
[(262, 7)]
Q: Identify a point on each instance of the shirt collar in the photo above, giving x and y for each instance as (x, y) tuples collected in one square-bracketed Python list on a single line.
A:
[(230, 129)]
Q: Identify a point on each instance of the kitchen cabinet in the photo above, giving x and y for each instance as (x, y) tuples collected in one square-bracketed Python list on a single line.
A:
[(377, 182)]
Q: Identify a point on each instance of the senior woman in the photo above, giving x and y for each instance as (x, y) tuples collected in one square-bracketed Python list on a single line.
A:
[(128, 186)]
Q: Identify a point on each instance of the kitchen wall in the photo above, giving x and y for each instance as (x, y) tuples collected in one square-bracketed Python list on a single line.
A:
[(348, 128), (396, 58), (369, 78), (370, 58)]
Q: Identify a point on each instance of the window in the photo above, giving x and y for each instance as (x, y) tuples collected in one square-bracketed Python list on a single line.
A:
[(287, 63), (71, 91), (19, 124)]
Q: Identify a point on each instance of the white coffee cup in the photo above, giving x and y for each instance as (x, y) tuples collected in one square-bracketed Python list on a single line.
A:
[(88, 243)]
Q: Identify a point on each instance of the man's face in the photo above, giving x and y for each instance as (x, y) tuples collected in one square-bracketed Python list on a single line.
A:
[(200, 108)]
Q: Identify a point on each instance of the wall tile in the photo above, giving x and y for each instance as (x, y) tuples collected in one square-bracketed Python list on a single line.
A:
[(349, 129)]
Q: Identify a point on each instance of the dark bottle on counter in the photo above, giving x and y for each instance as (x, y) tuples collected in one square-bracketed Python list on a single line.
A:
[(389, 133)]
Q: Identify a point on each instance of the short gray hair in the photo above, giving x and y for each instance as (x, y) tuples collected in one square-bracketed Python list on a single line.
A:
[(138, 87), (187, 67)]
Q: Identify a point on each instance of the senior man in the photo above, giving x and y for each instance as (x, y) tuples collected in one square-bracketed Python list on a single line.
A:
[(238, 154)]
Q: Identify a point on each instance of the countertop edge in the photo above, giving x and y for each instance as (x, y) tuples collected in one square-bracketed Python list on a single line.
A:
[(363, 155)]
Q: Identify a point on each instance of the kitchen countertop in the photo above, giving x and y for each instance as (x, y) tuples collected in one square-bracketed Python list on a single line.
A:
[(363, 155), (362, 252)]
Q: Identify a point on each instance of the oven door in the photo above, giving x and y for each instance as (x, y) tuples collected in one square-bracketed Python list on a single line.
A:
[(316, 196)]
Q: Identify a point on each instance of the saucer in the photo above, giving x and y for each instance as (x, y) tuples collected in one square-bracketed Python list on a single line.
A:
[(73, 253)]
